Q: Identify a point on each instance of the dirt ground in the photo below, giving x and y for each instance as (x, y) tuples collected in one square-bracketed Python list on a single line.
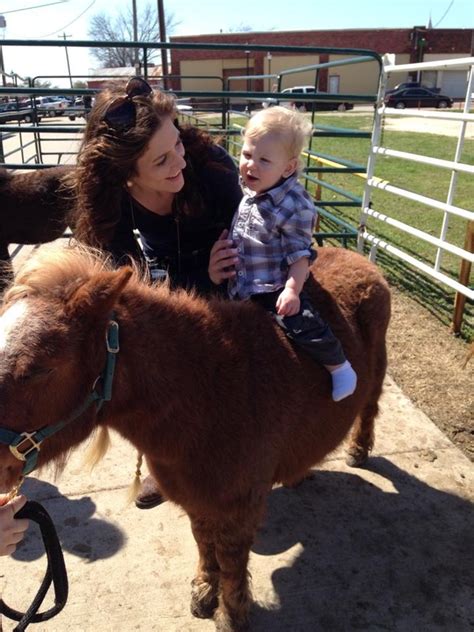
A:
[(426, 361)]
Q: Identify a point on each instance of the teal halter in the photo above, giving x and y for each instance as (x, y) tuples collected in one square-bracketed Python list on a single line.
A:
[(25, 446)]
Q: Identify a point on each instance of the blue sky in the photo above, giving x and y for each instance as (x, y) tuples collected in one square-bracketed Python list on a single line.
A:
[(210, 16)]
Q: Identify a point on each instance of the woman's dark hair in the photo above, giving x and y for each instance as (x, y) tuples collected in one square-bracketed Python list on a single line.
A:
[(107, 159)]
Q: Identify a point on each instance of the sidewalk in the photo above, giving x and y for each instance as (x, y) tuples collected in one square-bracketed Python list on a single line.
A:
[(389, 547)]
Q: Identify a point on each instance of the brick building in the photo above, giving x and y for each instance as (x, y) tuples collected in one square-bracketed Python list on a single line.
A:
[(407, 45)]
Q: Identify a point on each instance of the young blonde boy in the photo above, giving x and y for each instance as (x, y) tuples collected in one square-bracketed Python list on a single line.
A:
[(272, 232)]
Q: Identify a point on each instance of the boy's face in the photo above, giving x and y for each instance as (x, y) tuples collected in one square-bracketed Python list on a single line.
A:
[(264, 162)]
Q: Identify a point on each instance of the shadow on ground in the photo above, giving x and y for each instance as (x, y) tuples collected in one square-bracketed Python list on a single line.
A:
[(80, 533), (367, 559)]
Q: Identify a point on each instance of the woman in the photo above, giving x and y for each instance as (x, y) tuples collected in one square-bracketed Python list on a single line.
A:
[(139, 172)]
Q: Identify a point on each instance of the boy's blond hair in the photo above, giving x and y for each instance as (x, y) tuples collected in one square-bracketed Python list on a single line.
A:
[(291, 126)]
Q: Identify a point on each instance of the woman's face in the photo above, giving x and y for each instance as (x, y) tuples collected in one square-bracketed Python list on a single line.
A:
[(160, 168)]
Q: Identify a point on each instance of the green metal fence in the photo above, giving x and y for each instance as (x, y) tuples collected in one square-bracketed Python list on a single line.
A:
[(222, 112)]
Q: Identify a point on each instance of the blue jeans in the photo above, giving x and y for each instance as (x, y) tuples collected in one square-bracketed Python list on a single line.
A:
[(306, 328)]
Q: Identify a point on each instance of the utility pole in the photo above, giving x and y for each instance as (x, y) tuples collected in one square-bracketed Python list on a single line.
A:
[(67, 58), (269, 60), (136, 61), (3, 25), (164, 52)]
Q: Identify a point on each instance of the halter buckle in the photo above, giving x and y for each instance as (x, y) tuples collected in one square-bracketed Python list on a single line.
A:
[(112, 337), (34, 445)]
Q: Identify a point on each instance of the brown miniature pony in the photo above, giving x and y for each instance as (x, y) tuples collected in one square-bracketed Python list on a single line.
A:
[(212, 393), (32, 210)]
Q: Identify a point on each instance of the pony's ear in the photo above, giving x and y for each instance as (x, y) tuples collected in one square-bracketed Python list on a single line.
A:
[(98, 295)]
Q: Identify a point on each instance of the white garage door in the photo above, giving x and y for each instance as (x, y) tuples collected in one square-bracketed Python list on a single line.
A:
[(454, 82)]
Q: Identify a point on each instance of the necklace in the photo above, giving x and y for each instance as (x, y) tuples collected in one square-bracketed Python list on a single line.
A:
[(155, 265), (178, 241)]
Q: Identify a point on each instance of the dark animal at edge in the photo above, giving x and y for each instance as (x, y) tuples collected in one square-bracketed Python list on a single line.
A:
[(211, 392), (33, 210)]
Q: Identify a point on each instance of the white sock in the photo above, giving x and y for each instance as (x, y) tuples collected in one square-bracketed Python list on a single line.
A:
[(344, 381)]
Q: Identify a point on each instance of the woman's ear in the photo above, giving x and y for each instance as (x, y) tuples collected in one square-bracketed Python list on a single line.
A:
[(291, 167)]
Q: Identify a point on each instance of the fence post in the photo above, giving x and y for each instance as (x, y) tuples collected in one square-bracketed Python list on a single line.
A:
[(317, 197), (464, 272)]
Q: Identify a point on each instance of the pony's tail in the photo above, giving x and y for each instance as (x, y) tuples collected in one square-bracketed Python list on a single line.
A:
[(98, 448), (469, 355), (5, 177), (135, 486)]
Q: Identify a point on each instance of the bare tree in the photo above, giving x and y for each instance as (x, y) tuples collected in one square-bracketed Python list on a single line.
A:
[(242, 27), (28, 81), (120, 29)]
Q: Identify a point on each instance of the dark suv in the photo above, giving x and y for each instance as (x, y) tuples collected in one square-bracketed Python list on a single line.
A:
[(16, 112)]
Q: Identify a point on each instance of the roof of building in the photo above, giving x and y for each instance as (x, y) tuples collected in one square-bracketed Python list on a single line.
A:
[(125, 71)]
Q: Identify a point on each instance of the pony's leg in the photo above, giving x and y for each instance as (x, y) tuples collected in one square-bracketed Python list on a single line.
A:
[(234, 595), (205, 585), (362, 437), (233, 541)]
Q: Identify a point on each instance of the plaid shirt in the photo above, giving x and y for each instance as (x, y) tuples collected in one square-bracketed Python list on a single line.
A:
[(271, 231)]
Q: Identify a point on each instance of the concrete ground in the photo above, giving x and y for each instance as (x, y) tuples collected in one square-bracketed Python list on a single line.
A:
[(388, 547)]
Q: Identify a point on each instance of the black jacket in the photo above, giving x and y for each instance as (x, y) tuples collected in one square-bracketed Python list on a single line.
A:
[(181, 243)]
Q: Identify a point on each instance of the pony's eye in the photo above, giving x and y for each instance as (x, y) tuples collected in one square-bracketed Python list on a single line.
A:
[(35, 372)]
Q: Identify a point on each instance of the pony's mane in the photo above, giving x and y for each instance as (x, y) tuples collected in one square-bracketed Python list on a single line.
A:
[(54, 268)]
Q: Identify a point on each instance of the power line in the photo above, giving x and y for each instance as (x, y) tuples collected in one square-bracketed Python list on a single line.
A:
[(69, 24), (444, 14), (37, 6)]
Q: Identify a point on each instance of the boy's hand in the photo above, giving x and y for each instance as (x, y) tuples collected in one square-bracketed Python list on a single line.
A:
[(222, 259), (288, 303)]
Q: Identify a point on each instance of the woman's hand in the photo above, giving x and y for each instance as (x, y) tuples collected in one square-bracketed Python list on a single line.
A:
[(288, 303), (222, 259), (12, 530)]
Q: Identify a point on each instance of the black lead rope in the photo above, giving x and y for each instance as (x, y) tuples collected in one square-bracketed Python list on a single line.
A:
[(55, 572)]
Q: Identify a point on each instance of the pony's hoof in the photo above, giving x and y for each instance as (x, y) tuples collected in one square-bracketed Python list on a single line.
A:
[(203, 600), (357, 457)]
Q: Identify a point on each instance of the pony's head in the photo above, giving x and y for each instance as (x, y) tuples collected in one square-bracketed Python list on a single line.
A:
[(53, 325)]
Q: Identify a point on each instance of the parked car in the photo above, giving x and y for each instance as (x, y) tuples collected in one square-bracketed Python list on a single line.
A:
[(417, 98), (51, 106), (16, 112), (341, 106), (411, 84), (80, 107)]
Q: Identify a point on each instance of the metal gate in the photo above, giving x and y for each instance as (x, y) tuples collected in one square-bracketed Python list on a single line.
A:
[(373, 215)]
